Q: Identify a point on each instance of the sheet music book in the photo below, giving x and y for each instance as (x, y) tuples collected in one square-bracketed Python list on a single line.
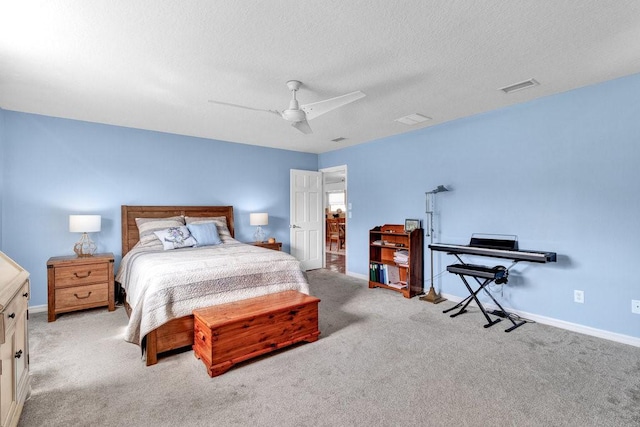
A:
[(400, 285), (393, 274)]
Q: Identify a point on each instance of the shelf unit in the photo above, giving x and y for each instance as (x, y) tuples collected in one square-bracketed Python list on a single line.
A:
[(384, 241)]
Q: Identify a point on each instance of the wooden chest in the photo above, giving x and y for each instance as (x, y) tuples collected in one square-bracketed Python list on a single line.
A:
[(234, 332)]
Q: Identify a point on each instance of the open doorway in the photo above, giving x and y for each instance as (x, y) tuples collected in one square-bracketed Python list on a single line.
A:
[(335, 208)]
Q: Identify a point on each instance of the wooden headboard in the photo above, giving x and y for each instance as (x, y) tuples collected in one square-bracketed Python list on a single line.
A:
[(129, 214)]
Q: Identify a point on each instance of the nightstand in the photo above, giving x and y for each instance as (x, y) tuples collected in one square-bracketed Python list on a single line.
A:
[(276, 246), (77, 283)]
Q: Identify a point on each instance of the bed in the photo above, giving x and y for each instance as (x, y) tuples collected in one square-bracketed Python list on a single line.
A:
[(162, 287)]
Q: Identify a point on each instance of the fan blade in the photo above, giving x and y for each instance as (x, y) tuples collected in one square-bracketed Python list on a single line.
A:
[(245, 107), (302, 126), (319, 108)]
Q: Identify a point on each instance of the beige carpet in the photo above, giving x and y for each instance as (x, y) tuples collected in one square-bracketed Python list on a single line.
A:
[(382, 360)]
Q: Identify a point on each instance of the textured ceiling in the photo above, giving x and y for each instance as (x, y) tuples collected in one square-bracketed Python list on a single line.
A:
[(154, 64)]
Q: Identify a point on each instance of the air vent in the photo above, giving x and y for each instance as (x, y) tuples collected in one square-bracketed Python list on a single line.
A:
[(519, 86), (413, 119), (338, 139)]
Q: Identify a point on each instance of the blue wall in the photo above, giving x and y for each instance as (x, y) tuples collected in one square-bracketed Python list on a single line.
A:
[(56, 167), (562, 173)]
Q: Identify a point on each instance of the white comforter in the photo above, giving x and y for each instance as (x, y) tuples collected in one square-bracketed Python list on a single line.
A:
[(164, 285)]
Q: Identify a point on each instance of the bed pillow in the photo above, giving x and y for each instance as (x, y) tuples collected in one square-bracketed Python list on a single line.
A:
[(219, 221), (205, 233), (147, 226), (175, 238)]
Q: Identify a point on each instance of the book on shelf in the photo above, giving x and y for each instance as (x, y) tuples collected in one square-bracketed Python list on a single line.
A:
[(401, 256), (383, 273), (398, 285), (374, 272), (393, 273)]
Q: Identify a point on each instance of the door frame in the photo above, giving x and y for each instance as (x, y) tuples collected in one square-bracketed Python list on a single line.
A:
[(324, 204)]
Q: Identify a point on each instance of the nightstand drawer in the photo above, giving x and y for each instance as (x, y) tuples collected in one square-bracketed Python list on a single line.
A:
[(76, 275), (79, 297)]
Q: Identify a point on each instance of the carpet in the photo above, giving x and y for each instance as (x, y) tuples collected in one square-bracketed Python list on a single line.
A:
[(381, 360)]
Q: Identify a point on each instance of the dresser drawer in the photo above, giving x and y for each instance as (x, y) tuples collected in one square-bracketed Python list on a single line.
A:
[(13, 310), (76, 275), (78, 297)]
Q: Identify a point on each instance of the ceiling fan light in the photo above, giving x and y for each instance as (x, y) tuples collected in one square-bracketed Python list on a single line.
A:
[(294, 115)]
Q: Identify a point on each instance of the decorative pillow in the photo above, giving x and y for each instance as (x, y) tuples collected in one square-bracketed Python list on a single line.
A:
[(205, 233), (147, 226), (219, 221), (175, 238)]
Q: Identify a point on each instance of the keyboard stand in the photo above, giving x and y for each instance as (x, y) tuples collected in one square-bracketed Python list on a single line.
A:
[(481, 272)]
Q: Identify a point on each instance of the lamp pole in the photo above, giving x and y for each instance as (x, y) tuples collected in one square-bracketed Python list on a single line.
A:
[(432, 296)]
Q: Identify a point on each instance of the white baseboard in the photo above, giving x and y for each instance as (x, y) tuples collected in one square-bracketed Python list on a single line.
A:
[(575, 327), (357, 275), (38, 308)]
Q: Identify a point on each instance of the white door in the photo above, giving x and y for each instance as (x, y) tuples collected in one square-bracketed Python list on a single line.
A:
[(307, 219)]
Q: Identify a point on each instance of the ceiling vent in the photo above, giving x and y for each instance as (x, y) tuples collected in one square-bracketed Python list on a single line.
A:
[(413, 119), (519, 86), (338, 139)]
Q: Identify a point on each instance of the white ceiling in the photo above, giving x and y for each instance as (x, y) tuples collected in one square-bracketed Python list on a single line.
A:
[(154, 64)]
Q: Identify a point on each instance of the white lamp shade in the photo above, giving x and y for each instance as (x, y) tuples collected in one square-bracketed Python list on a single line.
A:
[(84, 223), (259, 218)]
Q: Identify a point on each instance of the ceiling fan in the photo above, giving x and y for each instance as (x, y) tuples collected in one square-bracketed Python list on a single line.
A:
[(299, 115)]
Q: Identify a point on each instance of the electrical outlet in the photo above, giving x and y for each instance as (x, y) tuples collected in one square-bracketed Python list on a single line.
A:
[(635, 306), (578, 296)]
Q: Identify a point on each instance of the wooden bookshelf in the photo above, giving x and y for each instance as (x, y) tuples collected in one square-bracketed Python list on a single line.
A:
[(385, 271)]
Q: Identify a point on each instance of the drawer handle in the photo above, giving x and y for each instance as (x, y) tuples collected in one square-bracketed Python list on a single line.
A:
[(12, 316), (26, 295), (201, 336), (18, 354), (82, 277), (88, 295)]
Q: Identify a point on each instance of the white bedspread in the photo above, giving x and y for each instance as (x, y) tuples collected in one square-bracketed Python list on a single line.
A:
[(164, 285)]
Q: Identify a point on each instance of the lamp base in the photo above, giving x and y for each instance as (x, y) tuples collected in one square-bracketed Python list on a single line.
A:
[(259, 235), (85, 246), (432, 297)]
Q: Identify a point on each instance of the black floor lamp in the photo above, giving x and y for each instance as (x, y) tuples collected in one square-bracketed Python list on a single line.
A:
[(432, 296)]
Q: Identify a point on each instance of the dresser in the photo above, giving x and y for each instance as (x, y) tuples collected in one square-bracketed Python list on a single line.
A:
[(77, 283), (14, 340)]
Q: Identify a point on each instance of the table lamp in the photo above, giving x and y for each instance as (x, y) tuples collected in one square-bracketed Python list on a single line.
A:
[(259, 219), (84, 224)]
